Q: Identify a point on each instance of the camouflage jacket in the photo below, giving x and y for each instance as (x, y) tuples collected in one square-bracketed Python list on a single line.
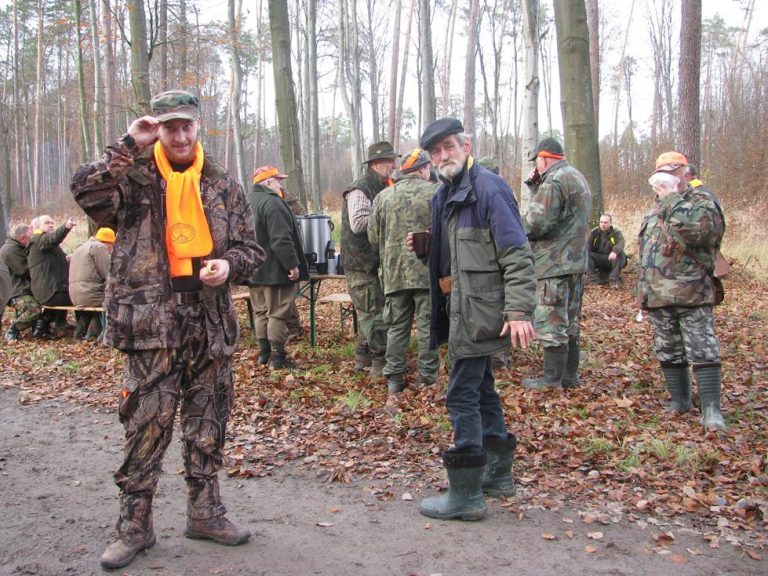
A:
[(48, 265), (557, 220), (674, 272), (14, 255), (491, 263), (124, 190), (403, 207)]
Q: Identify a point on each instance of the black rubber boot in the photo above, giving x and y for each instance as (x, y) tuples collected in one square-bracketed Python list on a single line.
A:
[(571, 375), (464, 499), (554, 367), (12, 334), (396, 382), (497, 479), (678, 380), (41, 329), (709, 380), (265, 351), (280, 360)]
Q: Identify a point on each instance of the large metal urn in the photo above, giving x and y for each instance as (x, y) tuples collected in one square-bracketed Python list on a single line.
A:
[(316, 236)]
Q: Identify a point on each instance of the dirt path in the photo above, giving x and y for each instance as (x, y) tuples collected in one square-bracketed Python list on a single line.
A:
[(59, 506)]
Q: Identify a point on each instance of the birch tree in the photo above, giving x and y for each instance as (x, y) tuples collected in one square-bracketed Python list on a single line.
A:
[(428, 108), (530, 135), (469, 67), (233, 32)]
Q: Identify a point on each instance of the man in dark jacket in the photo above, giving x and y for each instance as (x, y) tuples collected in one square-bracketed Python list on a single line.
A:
[(556, 224), (49, 268), (606, 253), (481, 285), (273, 286), (14, 255), (184, 233), (361, 260)]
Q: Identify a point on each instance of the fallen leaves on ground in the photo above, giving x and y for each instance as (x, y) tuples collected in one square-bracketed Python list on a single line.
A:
[(607, 447)]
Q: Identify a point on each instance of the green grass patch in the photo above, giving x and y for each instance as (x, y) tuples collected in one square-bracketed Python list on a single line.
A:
[(355, 399), (596, 446)]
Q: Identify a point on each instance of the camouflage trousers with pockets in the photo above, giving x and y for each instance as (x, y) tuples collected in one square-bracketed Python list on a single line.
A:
[(368, 300), (156, 382), (558, 309), (684, 335)]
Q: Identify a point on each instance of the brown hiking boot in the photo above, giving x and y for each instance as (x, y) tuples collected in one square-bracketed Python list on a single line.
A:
[(377, 366), (218, 529), (362, 362), (122, 551)]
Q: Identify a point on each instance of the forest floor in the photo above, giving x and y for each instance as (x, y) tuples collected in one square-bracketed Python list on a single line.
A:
[(329, 480)]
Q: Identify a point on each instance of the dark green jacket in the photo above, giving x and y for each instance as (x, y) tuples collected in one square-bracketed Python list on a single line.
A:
[(359, 254), (48, 266), (14, 255), (277, 233), (612, 240)]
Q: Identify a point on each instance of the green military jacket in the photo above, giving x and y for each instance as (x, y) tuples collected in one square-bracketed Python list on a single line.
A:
[(48, 265), (673, 271), (557, 220), (14, 255), (403, 207)]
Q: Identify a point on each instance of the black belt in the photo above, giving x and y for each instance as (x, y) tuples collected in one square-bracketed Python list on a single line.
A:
[(188, 297)]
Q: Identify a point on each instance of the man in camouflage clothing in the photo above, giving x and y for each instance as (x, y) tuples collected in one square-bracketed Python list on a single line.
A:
[(184, 232), (361, 260), (405, 207), (556, 224), (14, 255), (677, 244)]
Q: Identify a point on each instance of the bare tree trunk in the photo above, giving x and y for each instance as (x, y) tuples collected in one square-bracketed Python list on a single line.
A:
[(373, 76), (37, 134), (285, 99), (316, 187), (350, 78), (689, 133), (447, 62), (593, 16), (429, 112), (581, 143), (469, 67), (87, 150), (182, 44), (392, 119), (98, 99), (622, 69), (19, 124), (139, 55), (403, 74), (530, 135), (110, 73), (236, 91), (162, 25)]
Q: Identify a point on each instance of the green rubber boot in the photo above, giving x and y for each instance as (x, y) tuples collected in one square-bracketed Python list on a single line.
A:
[(571, 375), (265, 351), (554, 367), (497, 478), (709, 379), (678, 379), (464, 499)]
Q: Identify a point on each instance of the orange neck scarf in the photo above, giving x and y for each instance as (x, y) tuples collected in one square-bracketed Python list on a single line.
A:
[(187, 234)]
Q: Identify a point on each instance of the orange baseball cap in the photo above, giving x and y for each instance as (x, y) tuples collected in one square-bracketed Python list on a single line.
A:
[(670, 161), (266, 172)]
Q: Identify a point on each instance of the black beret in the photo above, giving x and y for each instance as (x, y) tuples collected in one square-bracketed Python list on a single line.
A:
[(548, 144), (438, 130)]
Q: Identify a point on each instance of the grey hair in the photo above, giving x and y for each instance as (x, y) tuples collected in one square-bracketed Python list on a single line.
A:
[(20, 230), (608, 215)]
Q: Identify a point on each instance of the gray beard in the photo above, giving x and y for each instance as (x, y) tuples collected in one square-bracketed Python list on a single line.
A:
[(450, 171)]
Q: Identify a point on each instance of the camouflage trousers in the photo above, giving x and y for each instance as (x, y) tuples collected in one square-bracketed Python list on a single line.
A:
[(156, 382), (27, 312), (400, 309), (683, 335), (368, 300), (558, 309)]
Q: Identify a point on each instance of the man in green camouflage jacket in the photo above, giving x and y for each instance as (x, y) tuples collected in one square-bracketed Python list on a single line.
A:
[(405, 207), (677, 244), (178, 330), (556, 224)]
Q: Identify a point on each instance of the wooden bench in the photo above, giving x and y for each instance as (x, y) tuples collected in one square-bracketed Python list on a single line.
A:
[(346, 309), (99, 309), (247, 297)]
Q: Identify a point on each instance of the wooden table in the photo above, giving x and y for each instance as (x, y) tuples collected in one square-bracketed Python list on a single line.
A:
[(311, 291)]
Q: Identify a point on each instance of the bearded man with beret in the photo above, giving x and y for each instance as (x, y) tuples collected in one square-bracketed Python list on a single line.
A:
[(185, 231)]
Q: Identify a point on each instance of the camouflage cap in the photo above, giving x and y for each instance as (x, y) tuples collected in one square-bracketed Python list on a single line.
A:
[(379, 151), (175, 104)]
